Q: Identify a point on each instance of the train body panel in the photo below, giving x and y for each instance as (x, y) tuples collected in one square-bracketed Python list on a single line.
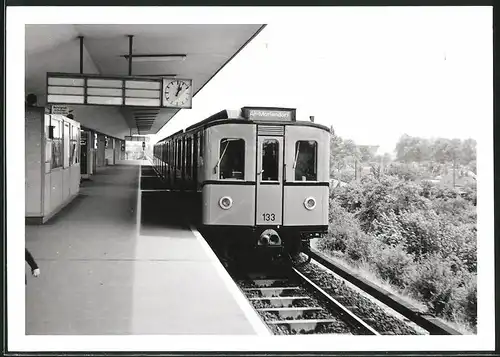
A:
[(298, 213), (239, 212)]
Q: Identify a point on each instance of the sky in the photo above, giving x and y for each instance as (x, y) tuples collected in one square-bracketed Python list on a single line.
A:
[(372, 73)]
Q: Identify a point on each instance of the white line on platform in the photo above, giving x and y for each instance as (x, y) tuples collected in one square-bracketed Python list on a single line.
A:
[(258, 325), (138, 207)]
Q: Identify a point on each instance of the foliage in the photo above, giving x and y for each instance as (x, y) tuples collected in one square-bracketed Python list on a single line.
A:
[(405, 172), (438, 150), (418, 236), (393, 264)]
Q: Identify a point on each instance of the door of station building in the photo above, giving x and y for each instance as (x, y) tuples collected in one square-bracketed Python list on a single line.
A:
[(269, 181)]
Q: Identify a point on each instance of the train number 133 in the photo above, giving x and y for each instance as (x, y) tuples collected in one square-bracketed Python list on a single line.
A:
[(268, 217)]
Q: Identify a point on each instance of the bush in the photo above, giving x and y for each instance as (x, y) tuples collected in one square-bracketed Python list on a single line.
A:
[(345, 234), (418, 237), (403, 171), (393, 264), (388, 229), (359, 245), (350, 197), (469, 304), (438, 286)]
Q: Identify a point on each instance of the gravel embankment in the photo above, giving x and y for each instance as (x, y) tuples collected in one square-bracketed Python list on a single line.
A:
[(364, 308)]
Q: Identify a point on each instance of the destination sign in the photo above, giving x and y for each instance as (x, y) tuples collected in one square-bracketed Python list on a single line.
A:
[(274, 114)]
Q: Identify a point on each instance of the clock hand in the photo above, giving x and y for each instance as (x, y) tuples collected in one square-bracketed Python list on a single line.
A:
[(178, 90)]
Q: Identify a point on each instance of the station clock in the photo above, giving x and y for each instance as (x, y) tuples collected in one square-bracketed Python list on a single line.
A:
[(177, 93)]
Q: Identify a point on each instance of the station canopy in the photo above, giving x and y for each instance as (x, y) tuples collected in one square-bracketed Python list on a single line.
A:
[(197, 53)]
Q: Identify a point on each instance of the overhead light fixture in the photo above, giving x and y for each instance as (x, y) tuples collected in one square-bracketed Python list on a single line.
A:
[(156, 58)]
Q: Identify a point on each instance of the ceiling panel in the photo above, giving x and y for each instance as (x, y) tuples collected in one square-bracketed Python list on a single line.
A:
[(208, 49)]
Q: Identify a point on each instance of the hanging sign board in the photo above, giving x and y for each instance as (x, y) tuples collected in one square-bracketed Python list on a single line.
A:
[(124, 91), (59, 109)]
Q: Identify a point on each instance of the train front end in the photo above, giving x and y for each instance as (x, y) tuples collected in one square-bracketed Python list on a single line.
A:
[(267, 180)]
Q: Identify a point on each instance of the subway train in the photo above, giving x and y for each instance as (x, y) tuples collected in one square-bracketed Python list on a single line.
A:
[(259, 176)]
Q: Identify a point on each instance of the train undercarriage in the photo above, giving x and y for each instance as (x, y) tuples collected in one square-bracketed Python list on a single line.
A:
[(237, 244)]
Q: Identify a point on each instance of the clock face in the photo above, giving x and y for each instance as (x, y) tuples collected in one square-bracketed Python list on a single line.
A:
[(177, 93)]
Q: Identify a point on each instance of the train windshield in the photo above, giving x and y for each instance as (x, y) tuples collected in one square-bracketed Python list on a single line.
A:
[(305, 160), (232, 159)]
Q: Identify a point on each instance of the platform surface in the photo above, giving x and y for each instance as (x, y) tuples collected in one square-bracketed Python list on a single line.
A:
[(103, 273)]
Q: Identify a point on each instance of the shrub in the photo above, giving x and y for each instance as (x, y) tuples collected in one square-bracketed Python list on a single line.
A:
[(470, 302), (437, 286), (403, 171), (342, 226), (359, 245), (388, 229), (350, 197), (393, 264), (420, 231)]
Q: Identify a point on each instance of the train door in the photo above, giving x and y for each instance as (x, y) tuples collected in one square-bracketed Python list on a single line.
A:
[(269, 180)]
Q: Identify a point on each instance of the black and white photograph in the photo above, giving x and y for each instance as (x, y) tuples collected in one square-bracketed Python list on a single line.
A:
[(250, 179)]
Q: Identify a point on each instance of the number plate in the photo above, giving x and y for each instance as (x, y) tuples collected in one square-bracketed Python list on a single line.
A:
[(269, 217)]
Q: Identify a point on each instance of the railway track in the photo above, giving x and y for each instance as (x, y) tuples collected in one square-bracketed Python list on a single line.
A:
[(316, 299), (290, 303)]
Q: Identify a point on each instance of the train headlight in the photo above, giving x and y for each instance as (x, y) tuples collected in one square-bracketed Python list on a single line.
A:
[(225, 202), (310, 203)]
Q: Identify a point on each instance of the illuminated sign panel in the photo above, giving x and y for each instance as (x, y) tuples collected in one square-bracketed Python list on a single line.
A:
[(91, 89), (272, 114)]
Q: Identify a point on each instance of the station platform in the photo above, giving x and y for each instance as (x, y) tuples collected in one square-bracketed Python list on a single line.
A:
[(120, 260)]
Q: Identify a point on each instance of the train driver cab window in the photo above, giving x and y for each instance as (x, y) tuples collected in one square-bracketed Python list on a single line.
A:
[(305, 161), (270, 160), (231, 159)]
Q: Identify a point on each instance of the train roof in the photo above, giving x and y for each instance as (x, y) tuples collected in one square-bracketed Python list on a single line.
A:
[(252, 115)]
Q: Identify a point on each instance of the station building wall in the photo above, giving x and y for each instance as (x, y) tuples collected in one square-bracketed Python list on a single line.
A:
[(52, 163)]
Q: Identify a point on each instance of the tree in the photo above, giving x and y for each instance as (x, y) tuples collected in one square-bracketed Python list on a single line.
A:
[(468, 151), (367, 152), (412, 149), (342, 153)]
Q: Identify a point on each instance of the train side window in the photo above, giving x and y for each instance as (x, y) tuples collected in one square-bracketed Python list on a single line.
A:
[(305, 161), (201, 143), (232, 159), (189, 149), (270, 160), (179, 154)]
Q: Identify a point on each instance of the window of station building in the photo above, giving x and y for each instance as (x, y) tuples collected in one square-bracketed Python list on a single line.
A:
[(57, 143), (305, 162), (73, 145), (48, 144), (232, 159), (270, 160)]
